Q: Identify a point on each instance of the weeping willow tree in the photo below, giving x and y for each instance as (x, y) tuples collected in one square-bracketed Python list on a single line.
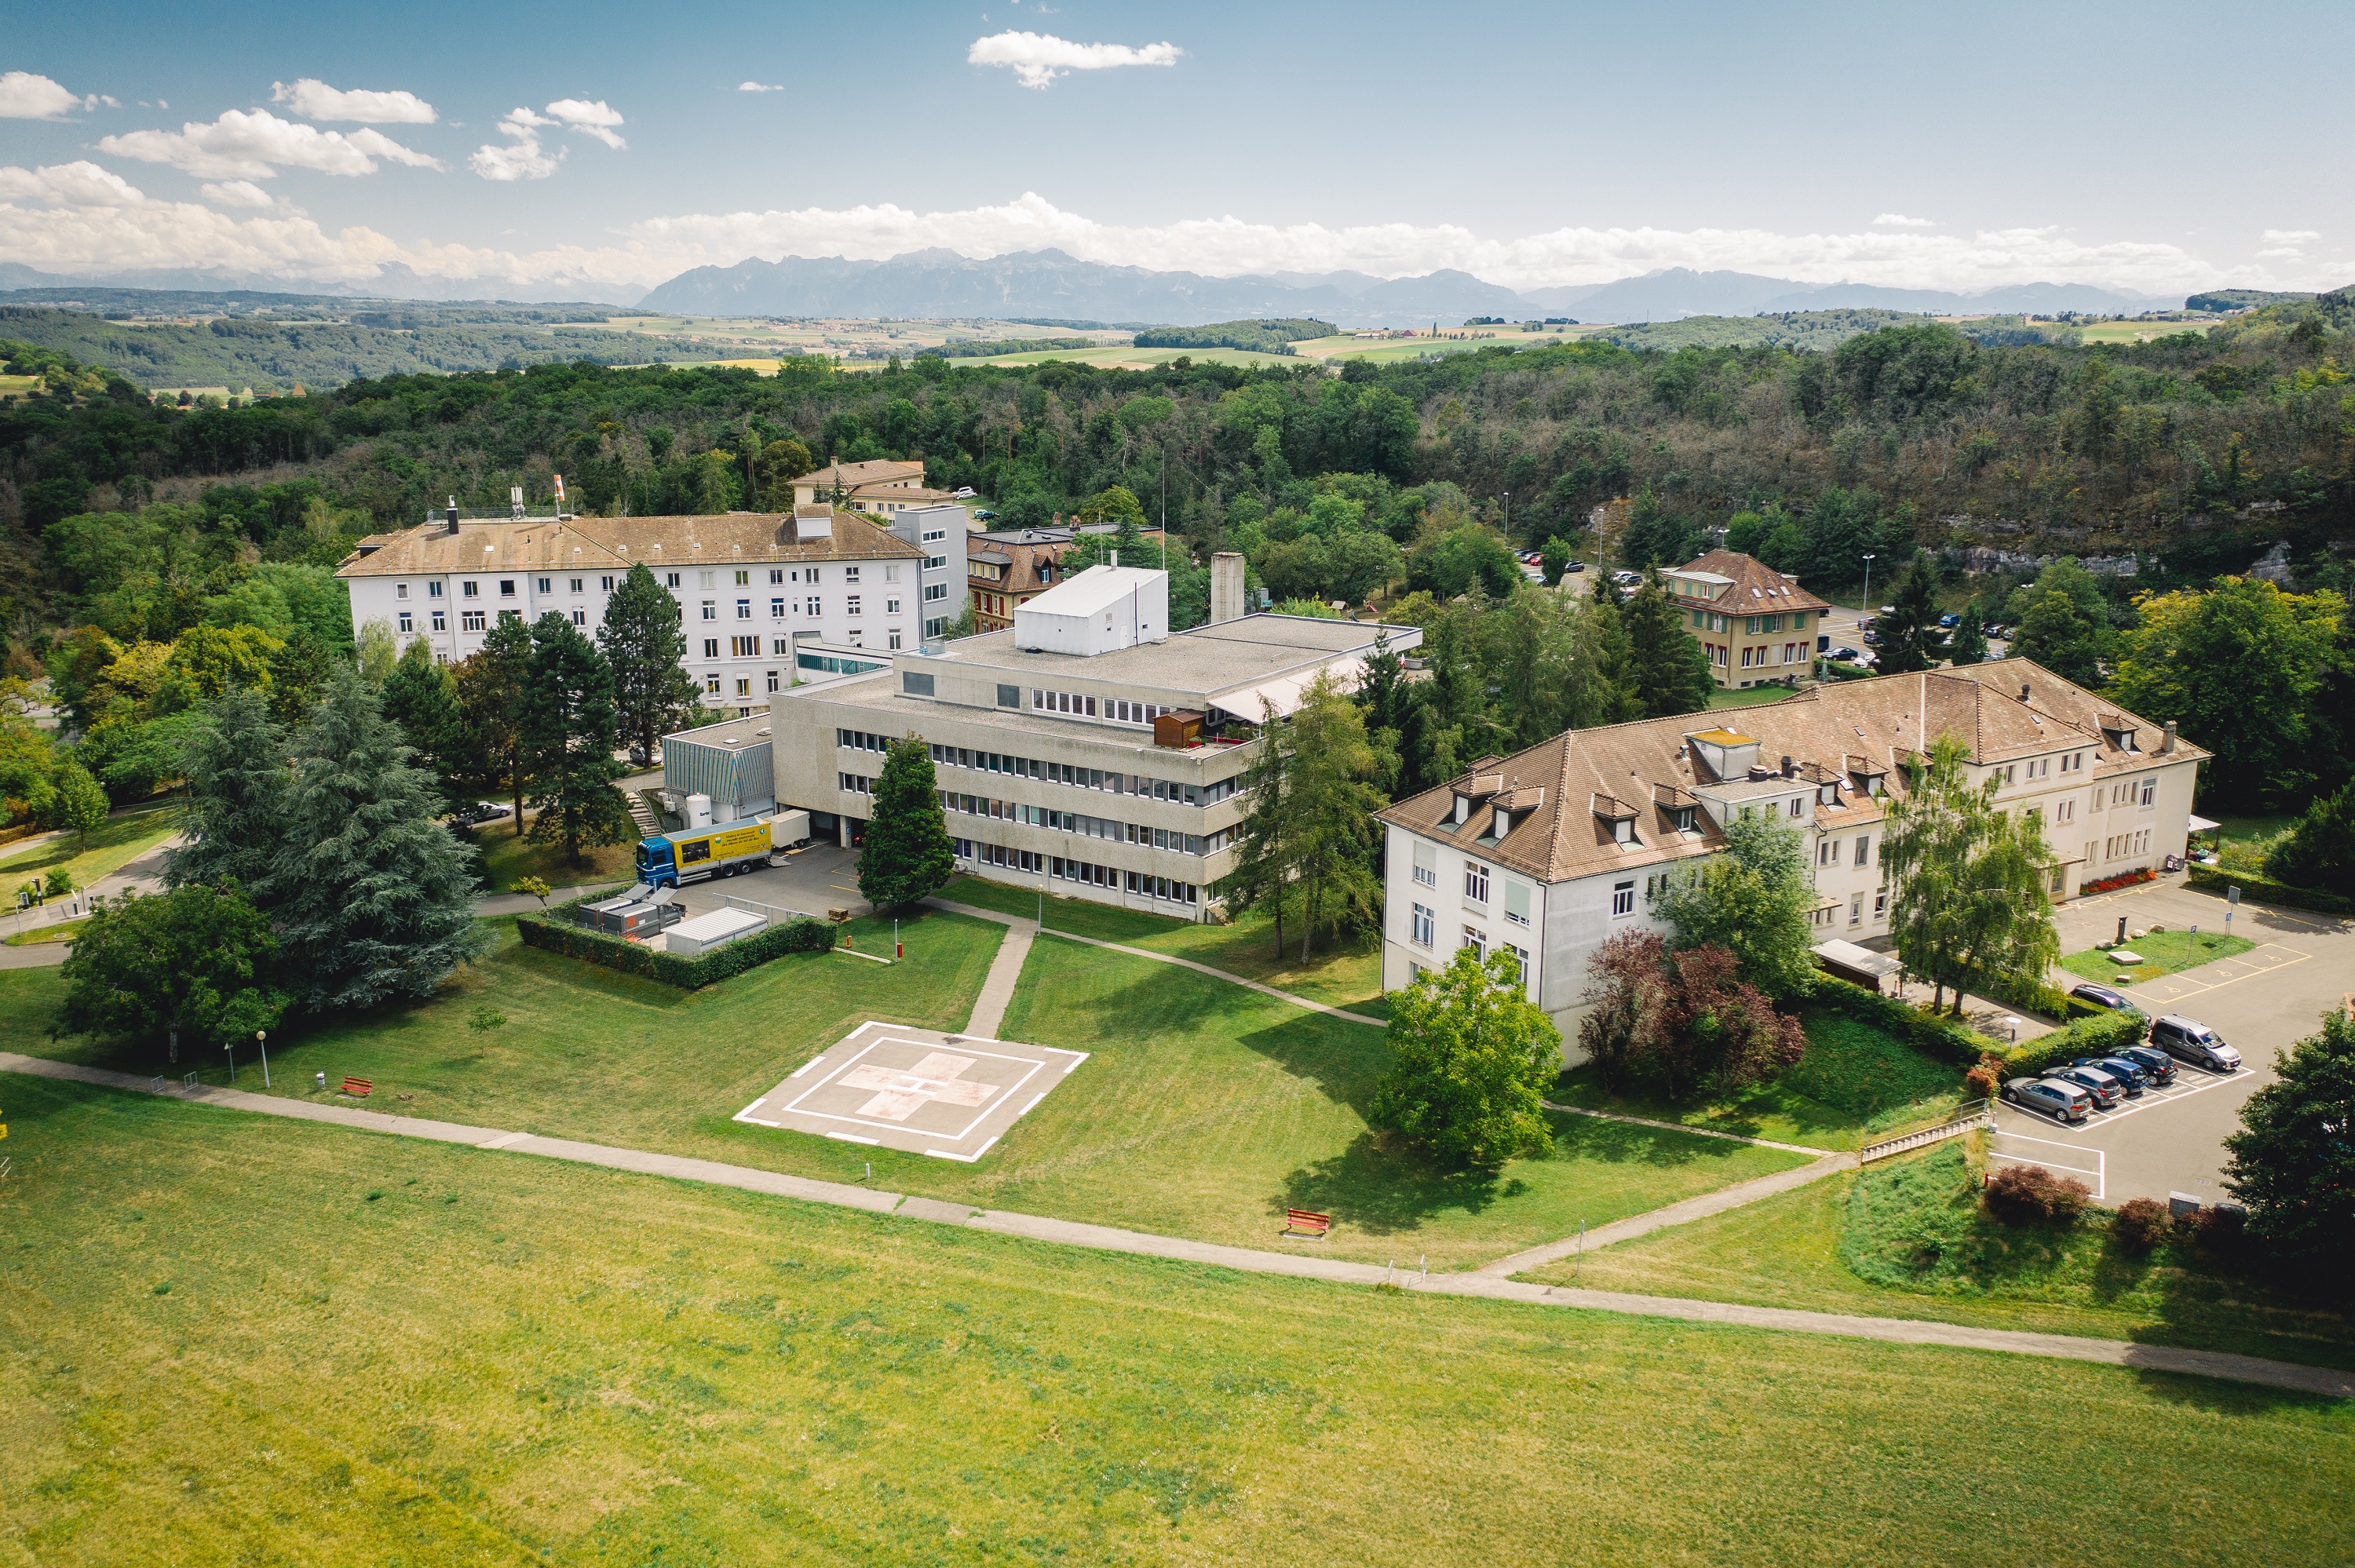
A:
[(1967, 881)]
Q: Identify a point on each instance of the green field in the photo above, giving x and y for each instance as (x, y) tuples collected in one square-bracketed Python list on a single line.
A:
[(1854, 1080), (1915, 1231), (507, 856), (112, 845), (1128, 358), (1347, 974), (233, 1339), (1205, 1109), (2163, 952)]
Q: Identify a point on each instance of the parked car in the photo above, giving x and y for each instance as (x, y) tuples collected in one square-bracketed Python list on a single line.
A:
[(962, 492), (1627, 579), (2193, 1042), (1847, 655), (2107, 1091), (984, 515), (1574, 566), (1872, 639), (483, 811), (2157, 1064), (2127, 1071), (1950, 622), (2062, 1102), (2103, 996)]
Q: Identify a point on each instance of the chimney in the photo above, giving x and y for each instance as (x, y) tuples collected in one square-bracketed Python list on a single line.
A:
[(451, 516), (2023, 691), (515, 502), (1225, 587), (2166, 743), (1789, 767)]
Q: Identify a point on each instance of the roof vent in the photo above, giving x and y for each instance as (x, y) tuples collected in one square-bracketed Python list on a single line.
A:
[(2023, 691), (1789, 767), (451, 516)]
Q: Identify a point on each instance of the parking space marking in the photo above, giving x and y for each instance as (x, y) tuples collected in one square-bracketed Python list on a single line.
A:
[(2147, 1102), (2199, 988), (2098, 1171)]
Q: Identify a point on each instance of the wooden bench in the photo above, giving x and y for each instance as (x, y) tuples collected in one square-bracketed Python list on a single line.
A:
[(359, 1087), (1305, 1223)]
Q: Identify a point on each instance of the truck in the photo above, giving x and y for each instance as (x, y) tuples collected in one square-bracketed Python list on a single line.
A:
[(671, 860)]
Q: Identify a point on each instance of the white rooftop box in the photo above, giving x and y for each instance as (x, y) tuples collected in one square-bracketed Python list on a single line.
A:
[(1102, 610), (706, 932)]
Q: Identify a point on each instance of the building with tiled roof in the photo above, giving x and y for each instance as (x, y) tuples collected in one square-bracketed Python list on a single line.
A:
[(751, 586), (844, 480), (1550, 852), (1008, 568), (1757, 625)]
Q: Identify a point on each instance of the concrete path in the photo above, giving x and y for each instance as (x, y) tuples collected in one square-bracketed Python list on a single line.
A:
[(1691, 1209), (1898, 1330), (1227, 975), (1005, 974)]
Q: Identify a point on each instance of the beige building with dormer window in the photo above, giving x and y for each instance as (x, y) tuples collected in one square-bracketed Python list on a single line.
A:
[(1757, 625)]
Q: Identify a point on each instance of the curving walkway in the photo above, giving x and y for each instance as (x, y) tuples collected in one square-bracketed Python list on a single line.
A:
[(2322, 1380)]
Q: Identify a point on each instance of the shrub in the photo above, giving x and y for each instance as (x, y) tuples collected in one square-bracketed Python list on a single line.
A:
[(1987, 1078), (2265, 890), (2219, 1228), (2143, 1225), (2099, 1034), (2032, 1196), (1957, 1042), (560, 935)]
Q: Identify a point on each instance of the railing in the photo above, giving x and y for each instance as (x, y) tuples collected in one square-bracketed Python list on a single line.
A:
[(1972, 1115), (774, 915)]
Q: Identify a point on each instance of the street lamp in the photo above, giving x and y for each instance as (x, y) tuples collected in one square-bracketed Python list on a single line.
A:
[(261, 1039), (1866, 606)]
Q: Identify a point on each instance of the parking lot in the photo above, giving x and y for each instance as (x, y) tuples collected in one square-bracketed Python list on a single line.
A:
[(2171, 1140)]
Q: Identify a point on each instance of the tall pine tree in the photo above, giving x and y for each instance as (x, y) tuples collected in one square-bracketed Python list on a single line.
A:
[(237, 799), (568, 741), (1265, 851), (372, 898), (494, 698), (421, 698), (907, 855), (1967, 644), (1911, 637), (645, 645), (1671, 669)]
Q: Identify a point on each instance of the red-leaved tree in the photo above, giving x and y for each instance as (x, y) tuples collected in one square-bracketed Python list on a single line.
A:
[(1682, 1017)]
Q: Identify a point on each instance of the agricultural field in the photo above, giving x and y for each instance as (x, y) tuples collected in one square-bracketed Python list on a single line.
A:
[(1127, 357), (756, 342), (224, 1331), (1381, 349), (2138, 332), (1906, 1239)]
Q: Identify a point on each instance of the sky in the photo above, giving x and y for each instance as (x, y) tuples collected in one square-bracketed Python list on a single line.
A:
[(2154, 147)]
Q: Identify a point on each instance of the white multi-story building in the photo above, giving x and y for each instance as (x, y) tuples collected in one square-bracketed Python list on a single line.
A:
[(1550, 851), (751, 588)]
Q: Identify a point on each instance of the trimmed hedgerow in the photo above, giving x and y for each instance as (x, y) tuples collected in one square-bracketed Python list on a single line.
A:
[(554, 933), (2265, 890)]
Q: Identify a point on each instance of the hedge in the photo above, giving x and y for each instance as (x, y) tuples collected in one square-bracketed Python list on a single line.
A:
[(556, 934), (1957, 1042), (2265, 890), (2100, 1035)]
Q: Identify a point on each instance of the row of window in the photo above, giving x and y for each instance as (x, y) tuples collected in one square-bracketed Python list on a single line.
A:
[(1119, 710), (2123, 846), (1053, 772), (1829, 914), (1422, 930), (471, 590), (1085, 826), (1137, 884), (1476, 885), (1828, 850), (813, 606), (813, 575)]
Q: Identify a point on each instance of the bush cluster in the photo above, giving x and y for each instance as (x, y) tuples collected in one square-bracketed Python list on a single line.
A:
[(2265, 890), (555, 933), (2032, 1196), (2098, 1034), (2143, 1225)]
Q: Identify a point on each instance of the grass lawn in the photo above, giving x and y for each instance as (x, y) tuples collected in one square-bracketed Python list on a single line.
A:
[(1719, 697), (113, 845), (2163, 952), (1905, 1239), (62, 931), (1343, 973), (507, 857), (1855, 1080), (1205, 1110), (232, 1340)]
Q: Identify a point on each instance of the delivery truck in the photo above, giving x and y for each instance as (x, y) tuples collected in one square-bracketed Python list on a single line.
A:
[(669, 860)]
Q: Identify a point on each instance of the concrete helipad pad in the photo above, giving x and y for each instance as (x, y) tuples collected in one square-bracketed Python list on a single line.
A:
[(915, 1089)]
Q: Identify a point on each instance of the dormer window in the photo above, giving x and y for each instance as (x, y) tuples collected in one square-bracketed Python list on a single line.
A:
[(1684, 817), (1617, 817), (1830, 795)]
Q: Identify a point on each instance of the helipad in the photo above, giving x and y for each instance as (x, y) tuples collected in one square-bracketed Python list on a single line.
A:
[(914, 1089)]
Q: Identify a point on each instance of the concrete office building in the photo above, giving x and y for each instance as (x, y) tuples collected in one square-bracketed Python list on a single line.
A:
[(755, 590), (1088, 746)]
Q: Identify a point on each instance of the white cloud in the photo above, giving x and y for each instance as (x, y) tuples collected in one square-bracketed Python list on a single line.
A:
[(589, 120), (2288, 236), (759, 87), (1898, 220), (25, 96), (523, 158), (240, 193), (1037, 58), (79, 218), (254, 146), (314, 100)]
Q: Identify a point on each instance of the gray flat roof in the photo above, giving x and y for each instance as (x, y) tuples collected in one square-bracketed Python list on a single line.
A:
[(895, 713), (1206, 661)]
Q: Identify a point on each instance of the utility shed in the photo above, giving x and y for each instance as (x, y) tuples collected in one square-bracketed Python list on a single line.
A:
[(705, 932), (728, 762), (1102, 610), (1857, 966)]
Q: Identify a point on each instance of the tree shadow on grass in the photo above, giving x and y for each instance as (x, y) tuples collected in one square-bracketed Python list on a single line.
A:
[(1383, 1192)]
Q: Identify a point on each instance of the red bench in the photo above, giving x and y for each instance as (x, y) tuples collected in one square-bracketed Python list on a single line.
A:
[(359, 1086), (1306, 1222)]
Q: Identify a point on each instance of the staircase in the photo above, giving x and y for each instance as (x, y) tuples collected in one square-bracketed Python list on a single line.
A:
[(1977, 1114), (643, 814)]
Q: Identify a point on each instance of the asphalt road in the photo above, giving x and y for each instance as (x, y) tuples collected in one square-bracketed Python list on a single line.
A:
[(2262, 1003)]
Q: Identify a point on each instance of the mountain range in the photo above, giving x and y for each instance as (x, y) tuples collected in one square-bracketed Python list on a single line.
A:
[(1052, 285)]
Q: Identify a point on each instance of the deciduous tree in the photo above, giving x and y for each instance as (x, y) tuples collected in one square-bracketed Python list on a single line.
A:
[(193, 961), (1753, 901), (2293, 1162), (1681, 1016), (1967, 881), (1472, 1058), (79, 804)]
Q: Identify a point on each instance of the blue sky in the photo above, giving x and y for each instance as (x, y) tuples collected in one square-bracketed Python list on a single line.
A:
[(2153, 147)]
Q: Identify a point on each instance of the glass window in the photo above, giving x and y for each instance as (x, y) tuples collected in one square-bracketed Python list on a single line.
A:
[(743, 610), (1476, 940), (1517, 902), (440, 621), (507, 588), (1864, 849), (1426, 864), (1475, 882), (405, 625), (1623, 898)]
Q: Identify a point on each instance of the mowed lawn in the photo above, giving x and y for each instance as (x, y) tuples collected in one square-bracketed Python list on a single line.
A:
[(1339, 973), (1906, 1239), (111, 845), (508, 856), (233, 1339), (1206, 1109), (2162, 952)]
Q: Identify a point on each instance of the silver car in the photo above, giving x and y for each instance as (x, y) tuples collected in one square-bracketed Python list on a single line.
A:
[(2047, 1097), (2189, 1040)]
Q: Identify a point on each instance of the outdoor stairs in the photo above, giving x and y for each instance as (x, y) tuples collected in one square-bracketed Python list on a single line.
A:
[(1978, 1114), (643, 814)]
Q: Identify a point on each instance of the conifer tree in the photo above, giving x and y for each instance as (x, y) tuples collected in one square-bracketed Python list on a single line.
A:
[(1911, 638), (421, 698), (237, 805), (1335, 838), (494, 697), (907, 856), (1264, 851), (372, 898), (1671, 669), (568, 741), (645, 645), (1967, 643)]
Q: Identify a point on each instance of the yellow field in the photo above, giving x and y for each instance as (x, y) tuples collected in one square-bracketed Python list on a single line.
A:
[(2138, 332), (758, 343)]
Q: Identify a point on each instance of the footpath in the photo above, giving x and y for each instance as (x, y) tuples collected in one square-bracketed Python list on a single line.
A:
[(1492, 1286)]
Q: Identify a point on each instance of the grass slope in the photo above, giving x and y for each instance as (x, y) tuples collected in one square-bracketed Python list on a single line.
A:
[(112, 845), (236, 1341), (1906, 1240)]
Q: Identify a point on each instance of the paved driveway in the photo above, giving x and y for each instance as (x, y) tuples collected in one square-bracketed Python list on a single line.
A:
[(2261, 1001), (822, 877)]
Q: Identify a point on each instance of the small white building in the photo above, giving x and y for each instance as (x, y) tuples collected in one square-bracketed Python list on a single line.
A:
[(1102, 609), (1550, 851), (751, 588)]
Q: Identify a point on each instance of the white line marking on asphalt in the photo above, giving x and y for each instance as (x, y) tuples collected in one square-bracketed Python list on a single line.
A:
[(806, 1067), (854, 1137)]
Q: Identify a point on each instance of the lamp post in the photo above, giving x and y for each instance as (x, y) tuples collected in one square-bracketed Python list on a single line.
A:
[(262, 1041), (1866, 605)]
